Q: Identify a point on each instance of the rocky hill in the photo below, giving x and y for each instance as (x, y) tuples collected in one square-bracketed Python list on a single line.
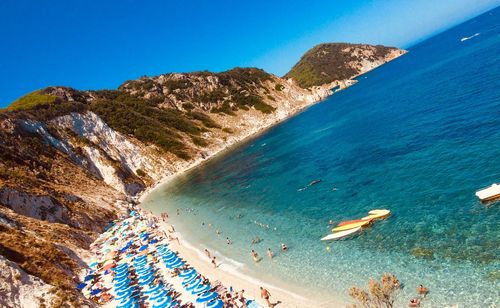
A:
[(325, 63), (71, 160)]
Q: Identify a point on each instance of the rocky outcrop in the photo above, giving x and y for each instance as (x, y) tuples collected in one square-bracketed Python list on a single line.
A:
[(330, 62)]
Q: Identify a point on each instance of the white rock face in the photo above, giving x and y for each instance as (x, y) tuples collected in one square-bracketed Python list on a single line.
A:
[(19, 289), (39, 207), (132, 154)]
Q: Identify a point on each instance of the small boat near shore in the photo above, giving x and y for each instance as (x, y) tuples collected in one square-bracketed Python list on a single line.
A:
[(489, 193), (339, 235)]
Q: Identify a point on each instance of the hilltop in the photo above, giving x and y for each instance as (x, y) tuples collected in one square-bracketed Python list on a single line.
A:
[(329, 62)]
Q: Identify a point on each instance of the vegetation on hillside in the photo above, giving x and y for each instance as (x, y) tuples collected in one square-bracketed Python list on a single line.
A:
[(142, 119), (32, 100), (325, 63)]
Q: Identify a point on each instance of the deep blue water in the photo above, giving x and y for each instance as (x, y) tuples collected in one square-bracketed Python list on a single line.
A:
[(417, 136)]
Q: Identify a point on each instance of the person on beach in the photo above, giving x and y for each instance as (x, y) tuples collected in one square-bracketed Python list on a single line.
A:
[(241, 298), (284, 247), (208, 253), (270, 253), (228, 240), (255, 256), (178, 212), (265, 295), (214, 263)]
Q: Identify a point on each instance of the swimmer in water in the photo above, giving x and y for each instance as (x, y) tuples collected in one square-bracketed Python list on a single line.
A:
[(256, 240), (228, 240), (255, 256), (284, 247), (270, 253)]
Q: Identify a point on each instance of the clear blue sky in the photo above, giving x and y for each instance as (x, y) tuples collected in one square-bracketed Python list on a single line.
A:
[(99, 44)]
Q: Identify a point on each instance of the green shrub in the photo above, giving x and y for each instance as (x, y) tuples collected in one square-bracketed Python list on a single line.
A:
[(31, 100), (279, 87), (140, 173)]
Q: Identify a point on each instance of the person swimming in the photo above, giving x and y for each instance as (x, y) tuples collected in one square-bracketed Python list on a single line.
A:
[(284, 247), (228, 240), (270, 253), (422, 290), (414, 302), (256, 240), (255, 256)]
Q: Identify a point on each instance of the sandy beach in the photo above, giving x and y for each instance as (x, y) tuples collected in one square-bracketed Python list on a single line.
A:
[(226, 274)]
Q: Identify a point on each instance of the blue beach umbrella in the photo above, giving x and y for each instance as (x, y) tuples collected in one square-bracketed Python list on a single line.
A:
[(126, 303), (187, 272), (146, 282), (88, 277), (122, 284), (154, 241), (215, 304), (193, 284), (93, 264), (124, 290), (178, 265), (150, 289), (124, 296), (143, 247), (80, 286), (162, 303), (159, 295), (145, 277), (190, 279), (121, 280), (206, 297), (95, 291), (200, 288)]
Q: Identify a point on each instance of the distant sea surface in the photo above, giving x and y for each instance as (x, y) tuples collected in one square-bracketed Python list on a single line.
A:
[(419, 136)]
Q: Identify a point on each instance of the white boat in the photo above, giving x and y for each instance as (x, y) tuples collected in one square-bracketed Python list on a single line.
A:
[(489, 193), (341, 234)]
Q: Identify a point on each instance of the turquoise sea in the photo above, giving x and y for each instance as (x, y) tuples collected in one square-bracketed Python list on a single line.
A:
[(417, 136)]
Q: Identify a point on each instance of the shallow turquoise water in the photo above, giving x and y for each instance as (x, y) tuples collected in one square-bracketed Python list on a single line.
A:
[(417, 136)]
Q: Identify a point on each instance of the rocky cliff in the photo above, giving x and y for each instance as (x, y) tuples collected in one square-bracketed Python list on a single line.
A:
[(71, 160)]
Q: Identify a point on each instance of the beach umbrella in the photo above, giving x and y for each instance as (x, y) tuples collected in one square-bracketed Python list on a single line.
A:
[(80, 286), (124, 296), (125, 290), (162, 302), (145, 282), (190, 279), (122, 283), (154, 241), (187, 272), (193, 284), (88, 277), (95, 291), (143, 247), (215, 304), (93, 264), (206, 297), (156, 296), (200, 288), (145, 277), (126, 303), (178, 265)]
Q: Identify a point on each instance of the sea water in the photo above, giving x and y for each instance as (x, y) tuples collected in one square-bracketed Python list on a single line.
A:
[(417, 136)]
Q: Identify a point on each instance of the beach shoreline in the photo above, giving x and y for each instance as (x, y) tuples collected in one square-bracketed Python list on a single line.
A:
[(231, 277)]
